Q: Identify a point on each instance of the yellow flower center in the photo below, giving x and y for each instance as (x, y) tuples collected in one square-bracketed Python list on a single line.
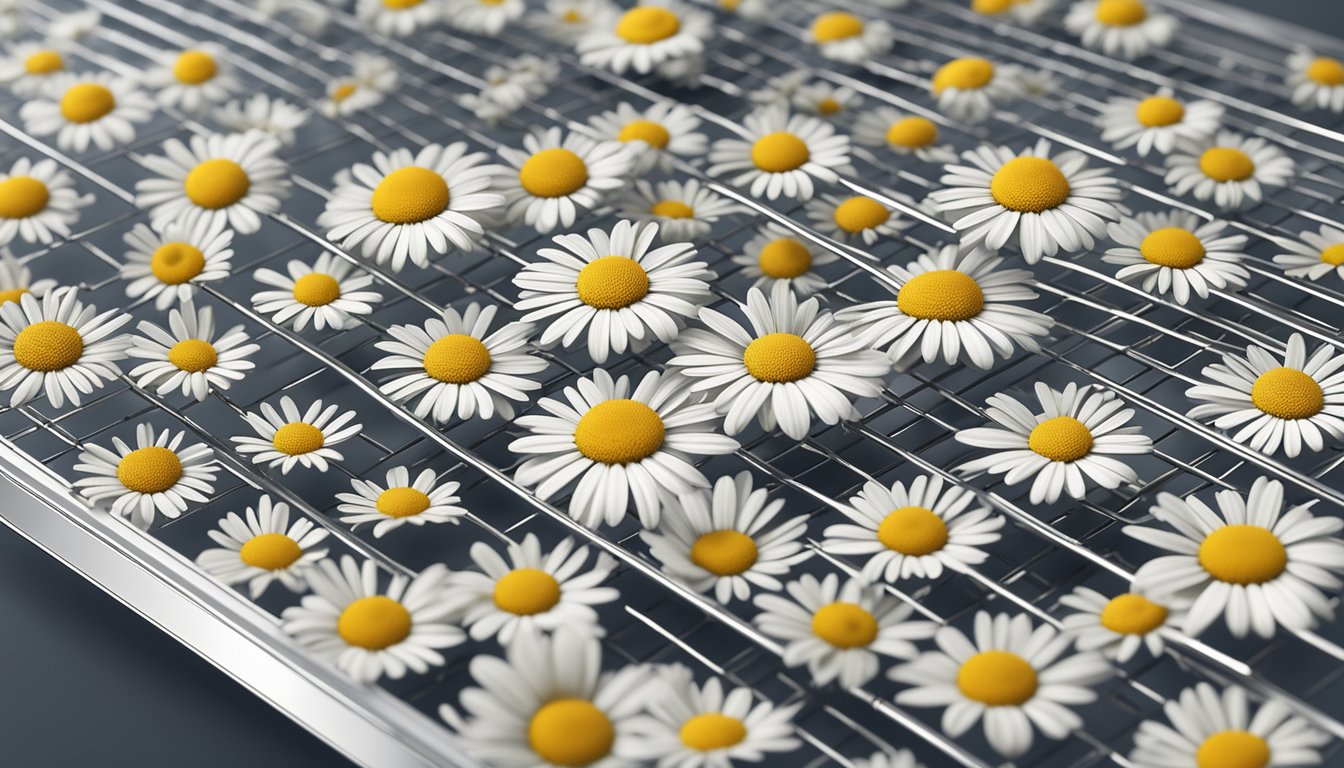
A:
[(1172, 247), (912, 132), (1334, 255), (1062, 438), (1121, 13), (86, 102), (570, 732), (374, 623), (344, 92), (22, 196), (1029, 185), (270, 551), (778, 358), (966, 74), (149, 470), (859, 213), (297, 438), (829, 106), (176, 263), (408, 195), (673, 209), (997, 679), (844, 625), (401, 5), (1287, 393), (48, 345), (612, 282), (13, 294), (647, 24), (193, 355), (1326, 71), (836, 25), (724, 553), (943, 294), (994, 7), (710, 731), (779, 152), (316, 289), (571, 16), (1131, 614), (43, 63), (784, 259), (194, 67), (619, 432), (913, 531), (401, 502), (553, 172), (457, 359), (1158, 111), (526, 591), (1233, 749), (217, 183), (1243, 554), (647, 131), (1226, 164)]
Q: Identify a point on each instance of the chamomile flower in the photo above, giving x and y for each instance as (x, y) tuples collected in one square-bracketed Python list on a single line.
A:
[(289, 436), (557, 176), (614, 287), (780, 155), (656, 136), (1043, 203), (509, 86), (727, 539), (483, 17), (38, 202), (59, 345), (371, 79), (193, 79), (1119, 626), (263, 548), (369, 633), (618, 444), (1012, 676), (841, 36), (969, 88), (1270, 405), (1017, 11), (825, 100), (903, 134), (1314, 255), (27, 68), (645, 37), (913, 533), (1228, 169), (399, 18), (168, 262), (188, 356), (1071, 442), (16, 279), (99, 109), (796, 362), (74, 26), (1158, 122), (567, 21), (405, 204), (854, 218), (1177, 253), (779, 90), (231, 177), (684, 211), (778, 255), (1123, 28), (457, 367), (1251, 562), (276, 117), (837, 630), (1317, 81), (326, 294), (156, 474), (902, 758), (399, 501)]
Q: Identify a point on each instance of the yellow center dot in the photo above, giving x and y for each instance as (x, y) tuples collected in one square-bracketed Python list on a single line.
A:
[(619, 432), (943, 294), (913, 531), (729, 5), (992, 7), (829, 106), (217, 183), (1062, 438), (778, 358), (997, 679), (844, 625), (22, 196), (836, 25), (859, 213), (316, 289), (297, 438), (1029, 185), (710, 731), (779, 152), (784, 259), (47, 346), (343, 92), (647, 131), (571, 16), (1334, 255), (193, 355), (374, 623), (1243, 554), (401, 5), (87, 102), (43, 63), (270, 551), (1121, 13), (724, 553), (570, 732), (673, 209), (1232, 749), (966, 74), (408, 195), (176, 263), (1226, 164), (1287, 393), (149, 470), (647, 24), (526, 592), (1131, 614), (401, 502), (553, 172), (612, 282), (1326, 71), (912, 132), (13, 294), (1172, 247), (194, 67), (457, 359), (1158, 111)]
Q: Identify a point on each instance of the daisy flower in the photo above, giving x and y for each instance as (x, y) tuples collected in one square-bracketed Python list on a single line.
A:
[(533, 590), (968, 89), (725, 539), (614, 286), (371, 79), (1009, 674), (848, 39), (276, 117), (913, 533), (556, 176), (188, 356), (400, 502), (903, 134), (839, 631), (1158, 122), (854, 218), (779, 90), (1228, 169), (326, 294), (618, 444), (645, 37), (81, 110), (1044, 204), (289, 437), (1177, 253), (778, 255), (193, 78), (794, 363), (59, 345), (405, 204), (167, 265), (157, 474), (1314, 255), (567, 21), (1268, 405), (368, 633), (399, 18), (781, 155), (509, 86), (28, 67), (656, 136), (263, 548), (312, 16), (826, 100), (683, 210), (483, 17), (74, 26), (231, 177), (1317, 81), (457, 367), (38, 202), (1123, 28), (1017, 11), (16, 279), (1069, 443), (1119, 626)]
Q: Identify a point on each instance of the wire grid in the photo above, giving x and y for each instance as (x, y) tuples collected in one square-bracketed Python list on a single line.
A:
[(1106, 333)]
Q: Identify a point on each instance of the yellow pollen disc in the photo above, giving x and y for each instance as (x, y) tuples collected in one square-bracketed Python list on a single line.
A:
[(1062, 438), (647, 24), (194, 67), (612, 282), (87, 102), (1121, 13), (967, 74), (619, 432), (374, 623), (526, 591), (724, 553), (1287, 393), (401, 502), (710, 731), (859, 213), (43, 63), (943, 294), (913, 531), (729, 5), (1326, 71), (1334, 255), (993, 7), (844, 625), (836, 25), (912, 132), (408, 195), (13, 294), (401, 5), (22, 196), (297, 438), (270, 551), (553, 172), (48, 346), (217, 183), (997, 679), (1232, 749), (1243, 554), (1226, 164), (1131, 614), (1029, 185), (779, 152), (176, 263), (149, 470), (1158, 111), (673, 209), (570, 732), (457, 359), (344, 92), (193, 355), (784, 259), (572, 16), (316, 289), (778, 358), (647, 131), (1172, 247), (829, 107)]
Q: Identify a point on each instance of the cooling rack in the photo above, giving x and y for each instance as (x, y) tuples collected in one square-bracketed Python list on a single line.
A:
[(1106, 332)]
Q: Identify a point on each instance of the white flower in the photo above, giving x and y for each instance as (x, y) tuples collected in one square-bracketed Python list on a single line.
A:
[(509, 86), (826, 100), (326, 294), (969, 88), (556, 176), (400, 502), (482, 17), (93, 109), (779, 90), (1228, 169), (1158, 122), (1123, 28), (27, 67), (1119, 626), (263, 548), (75, 25), (841, 36), (903, 134), (1314, 255), (188, 356), (900, 759), (167, 265), (16, 279), (683, 210), (262, 113), (38, 202), (781, 155), (778, 255), (193, 78), (156, 474), (645, 37), (1177, 253), (234, 178), (289, 437), (854, 218), (399, 18), (656, 136), (1018, 11), (59, 345), (567, 21), (371, 79), (1316, 81)]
